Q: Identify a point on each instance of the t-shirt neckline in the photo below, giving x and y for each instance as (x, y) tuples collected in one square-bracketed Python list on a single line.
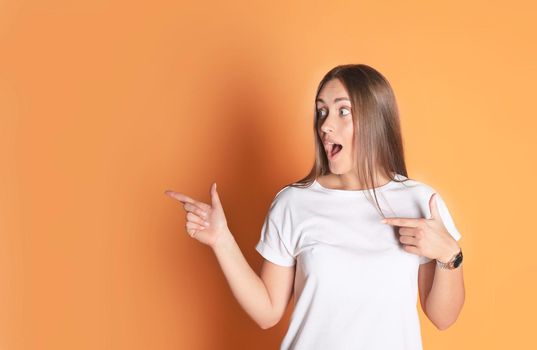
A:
[(354, 192)]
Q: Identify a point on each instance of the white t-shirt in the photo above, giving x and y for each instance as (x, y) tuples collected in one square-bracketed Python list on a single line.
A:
[(355, 286)]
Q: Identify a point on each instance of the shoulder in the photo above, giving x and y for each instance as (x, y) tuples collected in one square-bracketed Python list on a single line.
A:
[(288, 196), (417, 186), (422, 193), (285, 195)]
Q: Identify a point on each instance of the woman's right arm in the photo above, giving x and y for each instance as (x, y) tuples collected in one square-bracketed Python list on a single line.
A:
[(263, 298)]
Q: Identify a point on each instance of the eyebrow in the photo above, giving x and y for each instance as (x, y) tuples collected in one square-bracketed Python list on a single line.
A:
[(335, 100)]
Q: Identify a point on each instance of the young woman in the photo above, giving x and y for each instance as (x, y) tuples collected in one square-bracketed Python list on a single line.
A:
[(355, 279)]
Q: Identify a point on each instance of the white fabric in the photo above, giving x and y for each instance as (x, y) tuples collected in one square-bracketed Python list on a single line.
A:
[(355, 287)]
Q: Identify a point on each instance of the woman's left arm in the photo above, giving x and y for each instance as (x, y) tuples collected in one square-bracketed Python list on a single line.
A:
[(441, 293)]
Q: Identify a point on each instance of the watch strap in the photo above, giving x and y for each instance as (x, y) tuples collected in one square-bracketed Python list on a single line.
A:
[(453, 263)]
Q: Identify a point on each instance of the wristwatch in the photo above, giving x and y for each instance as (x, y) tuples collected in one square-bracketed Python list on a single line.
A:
[(453, 263)]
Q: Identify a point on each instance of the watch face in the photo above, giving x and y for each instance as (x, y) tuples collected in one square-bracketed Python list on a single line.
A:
[(458, 260)]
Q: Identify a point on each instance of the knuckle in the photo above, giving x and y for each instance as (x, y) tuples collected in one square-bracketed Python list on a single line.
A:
[(192, 225)]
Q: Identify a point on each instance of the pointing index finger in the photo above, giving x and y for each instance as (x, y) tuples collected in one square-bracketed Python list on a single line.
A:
[(180, 197), (183, 198), (407, 222)]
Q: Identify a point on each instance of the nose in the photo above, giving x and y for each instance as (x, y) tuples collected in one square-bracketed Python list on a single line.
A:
[(326, 126)]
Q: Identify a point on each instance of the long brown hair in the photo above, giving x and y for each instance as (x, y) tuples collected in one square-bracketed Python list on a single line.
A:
[(376, 127)]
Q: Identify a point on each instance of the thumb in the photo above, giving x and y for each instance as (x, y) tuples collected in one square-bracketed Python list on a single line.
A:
[(215, 199), (433, 205)]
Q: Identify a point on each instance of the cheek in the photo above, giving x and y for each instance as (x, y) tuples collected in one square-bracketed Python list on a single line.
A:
[(349, 135)]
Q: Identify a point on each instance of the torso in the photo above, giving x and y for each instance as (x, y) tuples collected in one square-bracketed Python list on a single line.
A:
[(355, 286)]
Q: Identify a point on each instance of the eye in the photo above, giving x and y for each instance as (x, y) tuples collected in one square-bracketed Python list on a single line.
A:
[(320, 113), (345, 109)]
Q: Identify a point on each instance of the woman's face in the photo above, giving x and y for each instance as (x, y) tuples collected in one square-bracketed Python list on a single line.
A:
[(335, 125)]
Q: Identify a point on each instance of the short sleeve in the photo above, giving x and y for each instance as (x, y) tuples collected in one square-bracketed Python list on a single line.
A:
[(275, 235), (447, 220)]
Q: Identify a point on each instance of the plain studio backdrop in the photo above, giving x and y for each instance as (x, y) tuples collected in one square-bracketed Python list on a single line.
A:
[(106, 104)]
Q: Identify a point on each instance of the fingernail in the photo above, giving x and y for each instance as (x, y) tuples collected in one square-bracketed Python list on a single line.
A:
[(383, 221), (206, 223)]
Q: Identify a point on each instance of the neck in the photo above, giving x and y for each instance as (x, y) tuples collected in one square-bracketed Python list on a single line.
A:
[(350, 181)]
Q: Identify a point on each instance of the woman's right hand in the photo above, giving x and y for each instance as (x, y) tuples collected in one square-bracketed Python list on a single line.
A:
[(207, 223)]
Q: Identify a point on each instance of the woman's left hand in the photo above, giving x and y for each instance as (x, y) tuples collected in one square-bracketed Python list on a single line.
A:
[(426, 237)]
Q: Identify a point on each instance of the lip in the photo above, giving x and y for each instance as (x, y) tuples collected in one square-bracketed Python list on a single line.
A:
[(329, 154), (326, 140)]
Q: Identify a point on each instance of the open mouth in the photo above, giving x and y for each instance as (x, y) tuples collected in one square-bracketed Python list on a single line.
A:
[(335, 149)]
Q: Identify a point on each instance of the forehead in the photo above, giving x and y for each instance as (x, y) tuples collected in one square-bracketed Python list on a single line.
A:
[(331, 90)]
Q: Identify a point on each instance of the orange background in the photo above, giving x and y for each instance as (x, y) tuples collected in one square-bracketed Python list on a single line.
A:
[(106, 104)]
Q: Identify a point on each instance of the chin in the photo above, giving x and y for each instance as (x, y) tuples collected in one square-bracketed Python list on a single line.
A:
[(338, 170)]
